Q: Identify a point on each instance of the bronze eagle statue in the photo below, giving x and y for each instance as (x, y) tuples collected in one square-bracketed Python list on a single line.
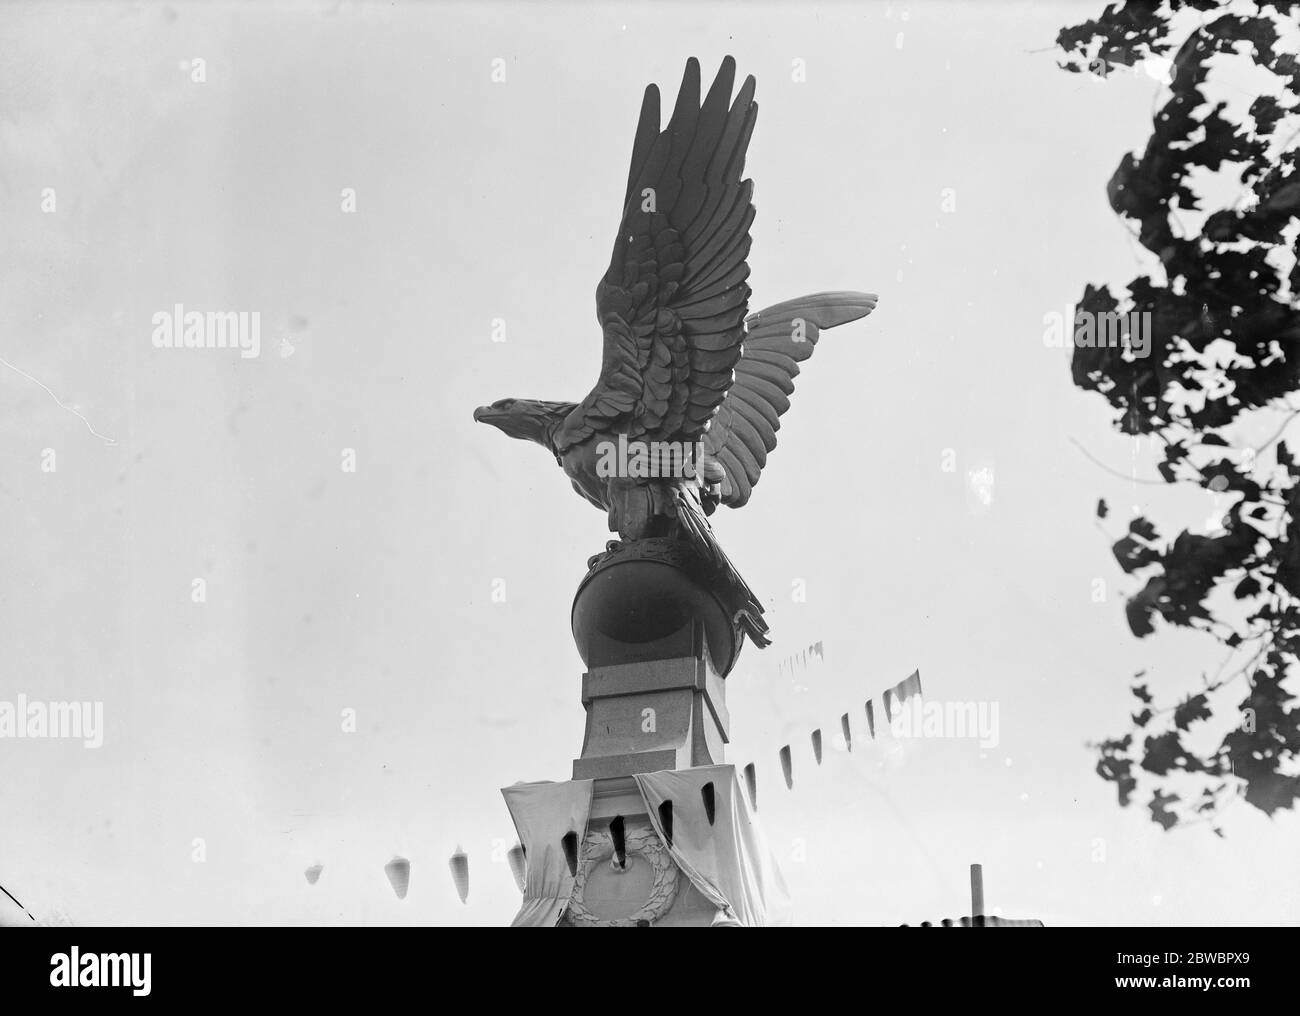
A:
[(692, 386)]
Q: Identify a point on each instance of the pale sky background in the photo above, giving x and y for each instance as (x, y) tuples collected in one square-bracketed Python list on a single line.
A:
[(371, 591)]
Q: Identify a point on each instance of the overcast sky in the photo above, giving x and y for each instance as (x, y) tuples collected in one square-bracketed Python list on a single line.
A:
[(225, 767)]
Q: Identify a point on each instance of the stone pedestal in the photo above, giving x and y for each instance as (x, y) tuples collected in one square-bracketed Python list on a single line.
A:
[(648, 715)]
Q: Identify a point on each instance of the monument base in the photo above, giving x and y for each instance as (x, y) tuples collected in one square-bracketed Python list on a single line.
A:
[(691, 852), (654, 830)]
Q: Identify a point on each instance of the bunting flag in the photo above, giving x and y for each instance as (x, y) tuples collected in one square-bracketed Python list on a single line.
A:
[(846, 731), (709, 797), (800, 662), (618, 833), (515, 855), (785, 767), (570, 844), (751, 784), (886, 699), (817, 745), (459, 865), (666, 821), (871, 720), (909, 686), (398, 871)]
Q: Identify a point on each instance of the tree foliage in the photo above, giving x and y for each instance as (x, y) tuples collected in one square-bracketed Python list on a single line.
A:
[(1215, 199)]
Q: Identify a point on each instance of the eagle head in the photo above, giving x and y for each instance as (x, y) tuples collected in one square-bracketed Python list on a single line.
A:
[(527, 419)]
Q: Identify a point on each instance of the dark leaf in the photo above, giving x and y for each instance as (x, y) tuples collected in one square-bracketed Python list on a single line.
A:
[(1159, 808), (1143, 528), (1132, 555), (1248, 586), (1161, 753), (1190, 710)]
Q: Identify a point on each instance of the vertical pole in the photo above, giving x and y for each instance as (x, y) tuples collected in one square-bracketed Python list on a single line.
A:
[(977, 895)]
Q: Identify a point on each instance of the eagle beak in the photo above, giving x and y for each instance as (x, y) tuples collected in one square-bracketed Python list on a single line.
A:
[(483, 414)]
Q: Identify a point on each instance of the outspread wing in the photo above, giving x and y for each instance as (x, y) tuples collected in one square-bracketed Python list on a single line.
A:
[(672, 304), (778, 340)]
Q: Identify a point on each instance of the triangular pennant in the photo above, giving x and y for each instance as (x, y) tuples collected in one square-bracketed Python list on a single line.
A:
[(666, 821), (618, 833), (398, 871), (459, 865), (570, 844), (900, 690), (786, 767), (847, 732), (515, 855), (817, 745), (912, 685)]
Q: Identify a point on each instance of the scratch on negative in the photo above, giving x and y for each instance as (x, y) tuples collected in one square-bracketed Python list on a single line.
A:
[(20, 906), (60, 402)]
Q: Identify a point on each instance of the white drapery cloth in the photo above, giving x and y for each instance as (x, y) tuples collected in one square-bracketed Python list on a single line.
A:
[(543, 813), (727, 860)]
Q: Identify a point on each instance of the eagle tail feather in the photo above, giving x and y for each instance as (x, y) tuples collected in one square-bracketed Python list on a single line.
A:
[(747, 611)]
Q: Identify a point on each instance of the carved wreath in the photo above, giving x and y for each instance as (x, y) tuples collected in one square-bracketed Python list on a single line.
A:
[(597, 847)]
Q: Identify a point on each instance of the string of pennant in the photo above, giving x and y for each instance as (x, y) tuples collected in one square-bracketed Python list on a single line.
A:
[(800, 661), (398, 869), (891, 699)]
